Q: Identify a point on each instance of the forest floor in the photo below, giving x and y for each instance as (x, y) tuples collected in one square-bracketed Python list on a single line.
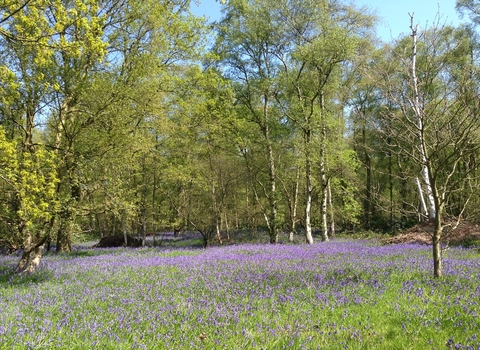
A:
[(462, 233)]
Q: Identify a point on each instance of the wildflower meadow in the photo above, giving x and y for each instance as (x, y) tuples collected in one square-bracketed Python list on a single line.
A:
[(343, 294)]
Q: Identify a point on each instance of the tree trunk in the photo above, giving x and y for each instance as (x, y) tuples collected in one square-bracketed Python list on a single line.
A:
[(437, 248), (218, 233), (216, 210), (423, 206), (419, 115), (390, 187), (367, 204), (323, 173), (32, 255), (66, 215), (124, 229), (154, 218), (272, 198), (31, 258), (435, 207), (227, 227), (272, 195), (323, 207), (332, 213), (144, 226), (206, 242), (64, 243), (308, 175), (293, 207)]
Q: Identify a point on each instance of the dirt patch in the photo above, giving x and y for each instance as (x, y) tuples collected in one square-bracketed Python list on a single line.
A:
[(465, 233)]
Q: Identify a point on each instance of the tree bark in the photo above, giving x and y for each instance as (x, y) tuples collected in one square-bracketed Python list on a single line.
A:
[(423, 206), (332, 213), (64, 243), (323, 207), (227, 227), (420, 127), (32, 255), (272, 197), (308, 178), (323, 173), (437, 248), (65, 216), (293, 203), (368, 189), (216, 210)]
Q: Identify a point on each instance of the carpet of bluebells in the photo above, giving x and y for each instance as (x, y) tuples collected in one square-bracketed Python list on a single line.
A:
[(337, 295)]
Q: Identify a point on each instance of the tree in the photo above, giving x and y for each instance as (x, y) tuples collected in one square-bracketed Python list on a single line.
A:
[(119, 109), (325, 35), (34, 35), (470, 7), (285, 59), (29, 202), (200, 164), (434, 100), (249, 42)]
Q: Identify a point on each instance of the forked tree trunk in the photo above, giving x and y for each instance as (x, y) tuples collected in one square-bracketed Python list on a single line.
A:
[(435, 206), (32, 255), (30, 260)]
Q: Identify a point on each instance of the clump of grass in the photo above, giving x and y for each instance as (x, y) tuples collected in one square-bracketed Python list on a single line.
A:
[(342, 294)]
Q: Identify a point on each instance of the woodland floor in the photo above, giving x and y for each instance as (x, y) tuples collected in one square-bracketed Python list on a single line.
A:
[(462, 233)]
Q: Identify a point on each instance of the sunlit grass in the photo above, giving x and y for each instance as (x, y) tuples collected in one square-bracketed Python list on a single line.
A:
[(342, 294)]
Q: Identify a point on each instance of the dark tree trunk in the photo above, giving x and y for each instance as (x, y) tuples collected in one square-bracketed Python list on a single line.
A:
[(64, 243)]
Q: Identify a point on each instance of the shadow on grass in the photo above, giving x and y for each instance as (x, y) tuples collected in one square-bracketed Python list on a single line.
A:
[(9, 278)]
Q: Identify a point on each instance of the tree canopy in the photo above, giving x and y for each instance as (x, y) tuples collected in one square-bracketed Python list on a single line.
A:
[(287, 116)]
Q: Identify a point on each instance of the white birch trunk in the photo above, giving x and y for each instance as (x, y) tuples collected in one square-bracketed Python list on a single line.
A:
[(294, 207), (308, 204), (323, 207), (419, 116), (332, 214), (423, 205), (216, 212), (323, 173)]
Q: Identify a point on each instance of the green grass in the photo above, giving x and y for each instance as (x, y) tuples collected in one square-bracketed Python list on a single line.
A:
[(339, 295)]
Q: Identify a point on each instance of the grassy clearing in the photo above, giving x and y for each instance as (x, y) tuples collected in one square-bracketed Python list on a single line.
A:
[(341, 294)]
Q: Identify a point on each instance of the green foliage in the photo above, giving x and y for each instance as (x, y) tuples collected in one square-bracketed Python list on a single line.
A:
[(151, 131), (470, 8), (29, 182), (73, 27)]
